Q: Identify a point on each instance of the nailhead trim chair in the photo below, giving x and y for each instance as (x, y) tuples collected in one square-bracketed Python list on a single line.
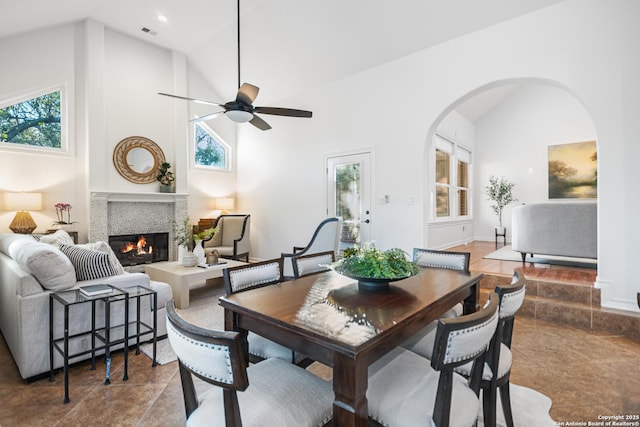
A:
[(499, 357), (422, 342), (407, 390), (442, 259), (273, 392), (304, 265), (256, 275)]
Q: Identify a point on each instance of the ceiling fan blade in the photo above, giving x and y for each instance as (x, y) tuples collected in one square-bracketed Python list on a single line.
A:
[(199, 101), (247, 93), (259, 123), (207, 117), (283, 112)]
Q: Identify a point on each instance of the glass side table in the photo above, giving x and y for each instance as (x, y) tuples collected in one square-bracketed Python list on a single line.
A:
[(137, 328), (107, 334)]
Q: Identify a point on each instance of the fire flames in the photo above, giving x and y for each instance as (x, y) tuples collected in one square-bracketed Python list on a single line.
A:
[(140, 247)]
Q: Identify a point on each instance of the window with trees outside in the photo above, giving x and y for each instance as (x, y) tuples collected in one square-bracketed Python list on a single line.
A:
[(452, 180), (34, 121), (209, 149)]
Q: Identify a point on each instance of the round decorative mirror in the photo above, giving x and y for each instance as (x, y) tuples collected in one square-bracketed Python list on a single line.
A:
[(137, 159)]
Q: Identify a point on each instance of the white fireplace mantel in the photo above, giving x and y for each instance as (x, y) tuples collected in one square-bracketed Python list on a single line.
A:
[(114, 213), (111, 196)]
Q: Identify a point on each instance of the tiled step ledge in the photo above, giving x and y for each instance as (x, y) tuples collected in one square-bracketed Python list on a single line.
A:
[(569, 304)]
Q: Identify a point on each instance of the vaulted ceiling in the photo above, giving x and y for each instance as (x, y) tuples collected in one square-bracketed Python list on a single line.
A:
[(287, 45)]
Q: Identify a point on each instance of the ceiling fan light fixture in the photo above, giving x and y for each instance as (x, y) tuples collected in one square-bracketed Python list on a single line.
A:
[(239, 116)]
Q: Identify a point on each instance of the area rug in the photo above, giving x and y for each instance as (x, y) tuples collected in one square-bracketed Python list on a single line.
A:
[(506, 253), (529, 408), (203, 311)]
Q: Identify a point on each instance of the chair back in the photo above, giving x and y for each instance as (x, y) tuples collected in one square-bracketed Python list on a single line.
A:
[(254, 275), (304, 265), (511, 299), (442, 259), (325, 238), (461, 340), (215, 357)]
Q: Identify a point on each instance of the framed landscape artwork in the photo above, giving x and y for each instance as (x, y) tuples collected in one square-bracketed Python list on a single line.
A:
[(572, 171)]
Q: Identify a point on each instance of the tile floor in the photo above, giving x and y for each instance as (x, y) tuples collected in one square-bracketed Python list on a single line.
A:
[(587, 374)]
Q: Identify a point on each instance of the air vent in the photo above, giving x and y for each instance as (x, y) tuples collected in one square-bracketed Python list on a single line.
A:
[(148, 31)]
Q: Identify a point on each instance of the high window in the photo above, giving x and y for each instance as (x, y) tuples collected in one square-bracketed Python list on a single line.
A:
[(209, 149), (34, 121), (451, 179)]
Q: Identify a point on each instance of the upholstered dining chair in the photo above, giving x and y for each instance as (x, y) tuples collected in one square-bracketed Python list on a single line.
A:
[(442, 259), (326, 237), (407, 390), (272, 393), (251, 276), (304, 265), (497, 369), (422, 342)]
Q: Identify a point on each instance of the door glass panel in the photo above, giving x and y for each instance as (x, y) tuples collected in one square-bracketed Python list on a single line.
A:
[(349, 196), (348, 202)]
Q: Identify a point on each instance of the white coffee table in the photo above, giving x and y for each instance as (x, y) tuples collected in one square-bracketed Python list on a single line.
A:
[(180, 278)]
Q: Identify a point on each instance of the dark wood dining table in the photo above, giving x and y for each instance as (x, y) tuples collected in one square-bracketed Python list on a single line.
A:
[(328, 318)]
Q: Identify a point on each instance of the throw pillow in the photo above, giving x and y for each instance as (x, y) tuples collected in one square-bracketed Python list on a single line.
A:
[(103, 246), (60, 237), (89, 264), (51, 268)]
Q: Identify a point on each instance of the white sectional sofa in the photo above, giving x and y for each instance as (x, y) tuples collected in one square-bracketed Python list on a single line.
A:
[(30, 270), (561, 228)]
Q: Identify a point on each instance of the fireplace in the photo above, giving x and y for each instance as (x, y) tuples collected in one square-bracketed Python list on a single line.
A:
[(135, 249)]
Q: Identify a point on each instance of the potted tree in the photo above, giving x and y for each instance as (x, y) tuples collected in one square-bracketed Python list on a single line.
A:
[(500, 192)]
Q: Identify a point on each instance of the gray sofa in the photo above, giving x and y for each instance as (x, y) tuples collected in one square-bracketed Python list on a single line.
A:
[(563, 229), (30, 270)]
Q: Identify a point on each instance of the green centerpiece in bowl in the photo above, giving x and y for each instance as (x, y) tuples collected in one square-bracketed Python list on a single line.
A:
[(375, 269)]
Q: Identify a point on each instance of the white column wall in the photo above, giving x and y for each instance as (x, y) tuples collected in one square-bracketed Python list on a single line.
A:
[(588, 47)]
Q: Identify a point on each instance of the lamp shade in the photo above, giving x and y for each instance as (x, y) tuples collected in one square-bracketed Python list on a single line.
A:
[(23, 201), (225, 203)]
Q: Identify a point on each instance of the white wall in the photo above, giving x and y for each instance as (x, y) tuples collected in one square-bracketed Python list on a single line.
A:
[(112, 82), (33, 62), (512, 141), (588, 47), (443, 234)]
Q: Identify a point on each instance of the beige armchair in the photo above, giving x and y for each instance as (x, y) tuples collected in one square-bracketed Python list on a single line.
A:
[(232, 239)]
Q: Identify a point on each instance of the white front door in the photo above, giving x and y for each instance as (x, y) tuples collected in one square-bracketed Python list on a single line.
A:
[(349, 196)]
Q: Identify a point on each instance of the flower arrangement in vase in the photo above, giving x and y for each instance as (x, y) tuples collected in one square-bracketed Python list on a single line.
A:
[(63, 210), (184, 236)]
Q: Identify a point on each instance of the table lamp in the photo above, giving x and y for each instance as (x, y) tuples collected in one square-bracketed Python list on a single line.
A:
[(22, 202), (224, 204)]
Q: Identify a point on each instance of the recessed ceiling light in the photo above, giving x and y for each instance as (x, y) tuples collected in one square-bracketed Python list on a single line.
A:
[(162, 18)]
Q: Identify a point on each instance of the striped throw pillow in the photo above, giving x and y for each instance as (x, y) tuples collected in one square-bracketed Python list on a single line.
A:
[(89, 264)]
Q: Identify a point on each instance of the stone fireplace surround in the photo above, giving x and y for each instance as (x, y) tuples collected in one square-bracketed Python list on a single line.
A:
[(114, 213)]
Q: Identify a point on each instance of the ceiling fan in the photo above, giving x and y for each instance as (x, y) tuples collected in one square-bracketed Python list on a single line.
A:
[(241, 109)]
